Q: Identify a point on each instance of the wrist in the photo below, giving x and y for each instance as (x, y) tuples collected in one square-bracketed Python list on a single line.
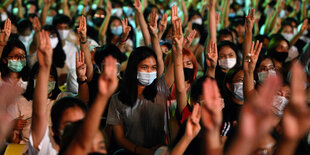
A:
[(82, 80)]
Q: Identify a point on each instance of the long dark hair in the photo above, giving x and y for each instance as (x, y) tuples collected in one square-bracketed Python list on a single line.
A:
[(109, 32), (11, 44), (128, 89), (59, 56), (30, 87)]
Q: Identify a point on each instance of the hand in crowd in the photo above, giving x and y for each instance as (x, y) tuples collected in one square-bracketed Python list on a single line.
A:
[(252, 57), (250, 19), (19, 123), (212, 55), (45, 50), (304, 26), (174, 14), (193, 123), (126, 29), (137, 5), (36, 24), (163, 23), (153, 24), (108, 9), (212, 106), (80, 66), (177, 35), (188, 40), (296, 118), (5, 33), (108, 81), (82, 30)]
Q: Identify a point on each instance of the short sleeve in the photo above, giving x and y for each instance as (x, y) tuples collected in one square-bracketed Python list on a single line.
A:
[(45, 146), (162, 86), (114, 113)]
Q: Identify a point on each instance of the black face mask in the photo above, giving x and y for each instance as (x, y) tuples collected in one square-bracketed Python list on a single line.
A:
[(188, 73), (98, 21), (280, 56)]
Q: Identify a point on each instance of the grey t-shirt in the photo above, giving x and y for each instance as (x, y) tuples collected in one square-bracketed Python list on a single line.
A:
[(144, 124)]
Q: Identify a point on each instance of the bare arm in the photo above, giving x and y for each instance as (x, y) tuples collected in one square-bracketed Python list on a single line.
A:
[(224, 14), (44, 12), (36, 38), (105, 23), (142, 22), (107, 84), (124, 37), (303, 14), (185, 13), (4, 35), (300, 32), (64, 6), (6, 4), (155, 44), (39, 118)]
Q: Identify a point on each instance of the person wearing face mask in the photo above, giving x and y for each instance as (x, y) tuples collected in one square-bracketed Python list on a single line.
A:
[(227, 59), (114, 31), (25, 30), (142, 97), (62, 24), (278, 50), (23, 108), (13, 64), (265, 68)]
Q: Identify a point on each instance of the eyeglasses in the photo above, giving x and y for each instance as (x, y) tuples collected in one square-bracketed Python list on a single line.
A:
[(268, 68), (23, 57)]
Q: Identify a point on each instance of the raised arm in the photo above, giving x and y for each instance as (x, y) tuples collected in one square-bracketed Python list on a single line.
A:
[(81, 68), (256, 118), (142, 22), (39, 117), (126, 30), (6, 4), (224, 14), (107, 85), (211, 60), (46, 6), (303, 28), (295, 122), (5, 34), (162, 26), (248, 67), (36, 38), (155, 44), (105, 23), (82, 31), (177, 50), (185, 13), (65, 8), (303, 14), (212, 116), (192, 129)]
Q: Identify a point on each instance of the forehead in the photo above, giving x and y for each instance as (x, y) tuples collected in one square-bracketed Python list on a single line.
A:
[(238, 76), (16, 51), (150, 61), (226, 50), (73, 114)]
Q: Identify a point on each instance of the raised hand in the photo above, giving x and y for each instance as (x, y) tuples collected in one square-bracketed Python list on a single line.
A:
[(163, 23), (137, 5), (250, 19), (188, 40), (304, 26), (126, 29), (82, 30), (108, 10), (153, 24), (212, 55), (296, 118), (256, 118), (19, 123), (108, 81), (174, 14), (45, 50), (36, 24), (252, 57), (47, 2), (80, 66), (177, 35), (5, 33), (212, 106), (192, 126)]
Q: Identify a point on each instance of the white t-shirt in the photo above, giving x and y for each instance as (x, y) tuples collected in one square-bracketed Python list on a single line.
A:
[(45, 146)]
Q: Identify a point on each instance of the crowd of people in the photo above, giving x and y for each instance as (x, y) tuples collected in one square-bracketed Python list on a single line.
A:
[(155, 77)]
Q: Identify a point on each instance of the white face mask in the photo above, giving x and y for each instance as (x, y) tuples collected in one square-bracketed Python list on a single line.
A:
[(238, 91), (4, 16), (117, 12), (54, 42), (145, 78), (49, 20), (129, 11), (25, 39), (279, 104), (227, 63), (195, 41), (263, 75), (288, 36), (63, 34), (197, 21), (292, 53)]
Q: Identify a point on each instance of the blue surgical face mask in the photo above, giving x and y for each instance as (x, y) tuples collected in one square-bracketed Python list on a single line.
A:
[(146, 78), (117, 30), (16, 65), (129, 11), (49, 20)]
